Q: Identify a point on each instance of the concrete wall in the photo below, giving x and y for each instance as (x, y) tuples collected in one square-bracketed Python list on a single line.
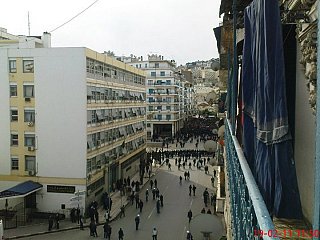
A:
[(61, 116), (51, 202), (304, 143)]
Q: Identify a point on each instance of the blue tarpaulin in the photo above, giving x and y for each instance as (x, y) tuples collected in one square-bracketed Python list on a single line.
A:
[(267, 139), (21, 190)]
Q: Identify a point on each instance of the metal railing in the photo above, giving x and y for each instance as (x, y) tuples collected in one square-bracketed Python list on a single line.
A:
[(249, 215)]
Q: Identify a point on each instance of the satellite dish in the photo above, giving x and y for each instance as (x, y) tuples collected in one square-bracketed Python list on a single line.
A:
[(210, 146)]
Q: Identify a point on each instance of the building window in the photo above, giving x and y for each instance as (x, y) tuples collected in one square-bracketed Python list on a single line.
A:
[(14, 163), (30, 163), (14, 115), (13, 66), (14, 139), (168, 117), (162, 73), (148, 125), (168, 108), (153, 74), (150, 82), (13, 91), (146, 65), (156, 65), (29, 116), (28, 91), (168, 82), (29, 140), (159, 117), (150, 108), (28, 66)]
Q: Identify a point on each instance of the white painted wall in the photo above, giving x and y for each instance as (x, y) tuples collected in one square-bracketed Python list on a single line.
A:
[(51, 202), (4, 114), (61, 124), (304, 143)]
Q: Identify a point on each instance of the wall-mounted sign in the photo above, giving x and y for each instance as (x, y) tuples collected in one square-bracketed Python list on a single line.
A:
[(61, 189)]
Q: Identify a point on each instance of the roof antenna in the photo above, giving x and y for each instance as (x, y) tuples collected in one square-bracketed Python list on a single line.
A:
[(28, 24)]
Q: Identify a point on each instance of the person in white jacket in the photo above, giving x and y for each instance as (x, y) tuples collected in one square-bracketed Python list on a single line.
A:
[(154, 233)]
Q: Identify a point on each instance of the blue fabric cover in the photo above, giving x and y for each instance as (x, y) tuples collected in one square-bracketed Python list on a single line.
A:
[(267, 140), (21, 189)]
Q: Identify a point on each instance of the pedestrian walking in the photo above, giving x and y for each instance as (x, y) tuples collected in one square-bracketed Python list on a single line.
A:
[(106, 230), (122, 211), (93, 229), (50, 222), (158, 206), (140, 205), (180, 180), (190, 189), (154, 233), (120, 234), (155, 183), (57, 219), (153, 193), (169, 166), (189, 236), (147, 195), (203, 210), (194, 189), (161, 200), (190, 215), (190, 165), (205, 197), (137, 201), (208, 211), (137, 220), (81, 222), (151, 183)]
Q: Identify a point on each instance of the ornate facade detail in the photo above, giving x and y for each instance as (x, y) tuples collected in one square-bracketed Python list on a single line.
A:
[(308, 41)]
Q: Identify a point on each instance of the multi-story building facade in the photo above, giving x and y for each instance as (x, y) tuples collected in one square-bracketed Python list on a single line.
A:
[(72, 120), (165, 95)]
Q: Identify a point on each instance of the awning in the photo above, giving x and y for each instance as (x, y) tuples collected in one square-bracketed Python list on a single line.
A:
[(21, 190)]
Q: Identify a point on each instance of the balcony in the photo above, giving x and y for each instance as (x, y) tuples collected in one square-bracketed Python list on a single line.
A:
[(248, 211)]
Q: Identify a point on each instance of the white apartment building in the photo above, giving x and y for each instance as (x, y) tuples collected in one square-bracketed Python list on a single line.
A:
[(72, 120), (165, 95)]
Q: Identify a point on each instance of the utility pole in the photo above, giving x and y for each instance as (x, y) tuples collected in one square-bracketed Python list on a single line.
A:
[(28, 24)]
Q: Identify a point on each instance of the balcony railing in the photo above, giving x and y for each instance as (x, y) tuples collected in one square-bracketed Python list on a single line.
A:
[(249, 214)]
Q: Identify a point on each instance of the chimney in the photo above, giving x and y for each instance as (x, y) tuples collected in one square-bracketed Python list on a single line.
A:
[(46, 39)]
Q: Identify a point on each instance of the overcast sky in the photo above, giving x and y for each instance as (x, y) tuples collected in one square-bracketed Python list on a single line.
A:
[(177, 29)]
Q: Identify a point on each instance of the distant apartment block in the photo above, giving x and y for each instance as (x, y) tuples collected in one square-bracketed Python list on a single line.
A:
[(166, 93)]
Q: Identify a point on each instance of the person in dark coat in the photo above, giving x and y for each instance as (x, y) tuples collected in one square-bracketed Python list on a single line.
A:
[(147, 195), (106, 230), (161, 200), (93, 229), (155, 183), (120, 234), (137, 200), (158, 206), (57, 219), (153, 193), (205, 197), (194, 189), (203, 210), (209, 211), (190, 215), (50, 221), (151, 183), (190, 189), (140, 205), (81, 222), (122, 211), (137, 220)]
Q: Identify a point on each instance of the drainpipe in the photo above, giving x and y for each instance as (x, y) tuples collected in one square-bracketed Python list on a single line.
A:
[(316, 210), (234, 85)]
